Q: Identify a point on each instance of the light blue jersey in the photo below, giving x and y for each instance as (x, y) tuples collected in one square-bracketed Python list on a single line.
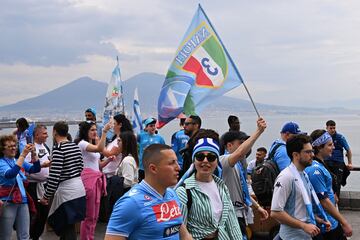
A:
[(178, 142), (280, 157), (321, 180), (143, 214), (145, 139)]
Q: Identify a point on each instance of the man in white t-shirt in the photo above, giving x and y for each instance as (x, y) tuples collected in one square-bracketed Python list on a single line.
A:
[(288, 203), (38, 180), (237, 145)]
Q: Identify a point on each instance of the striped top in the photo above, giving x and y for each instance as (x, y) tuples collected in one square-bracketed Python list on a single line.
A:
[(200, 221), (67, 163)]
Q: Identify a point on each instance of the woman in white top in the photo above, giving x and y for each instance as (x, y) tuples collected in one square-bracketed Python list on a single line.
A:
[(121, 124), (129, 166), (92, 177)]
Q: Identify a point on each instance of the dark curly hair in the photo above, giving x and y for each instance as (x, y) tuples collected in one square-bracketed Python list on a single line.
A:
[(84, 128)]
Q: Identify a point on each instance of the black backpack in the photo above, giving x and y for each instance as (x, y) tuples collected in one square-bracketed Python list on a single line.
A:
[(263, 178)]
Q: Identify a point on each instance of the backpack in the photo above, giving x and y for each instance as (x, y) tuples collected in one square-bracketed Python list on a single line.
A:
[(263, 178)]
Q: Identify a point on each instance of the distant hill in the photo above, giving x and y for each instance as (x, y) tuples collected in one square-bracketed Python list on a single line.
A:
[(78, 94), (71, 100)]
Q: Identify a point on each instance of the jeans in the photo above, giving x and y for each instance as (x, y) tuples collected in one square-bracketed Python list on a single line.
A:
[(15, 215)]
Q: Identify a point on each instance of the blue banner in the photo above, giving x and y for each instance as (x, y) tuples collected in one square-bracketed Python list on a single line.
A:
[(201, 71)]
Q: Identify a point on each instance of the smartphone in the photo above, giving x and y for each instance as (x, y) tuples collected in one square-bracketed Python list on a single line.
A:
[(29, 139)]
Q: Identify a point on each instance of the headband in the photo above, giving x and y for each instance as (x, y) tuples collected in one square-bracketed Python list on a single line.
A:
[(322, 140)]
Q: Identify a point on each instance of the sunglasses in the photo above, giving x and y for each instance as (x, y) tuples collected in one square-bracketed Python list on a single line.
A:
[(210, 157), (188, 123)]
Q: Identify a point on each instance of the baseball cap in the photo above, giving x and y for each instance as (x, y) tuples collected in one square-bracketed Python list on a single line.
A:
[(91, 110), (149, 121), (291, 127)]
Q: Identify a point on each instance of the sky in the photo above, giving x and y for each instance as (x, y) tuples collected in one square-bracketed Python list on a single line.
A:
[(295, 53)]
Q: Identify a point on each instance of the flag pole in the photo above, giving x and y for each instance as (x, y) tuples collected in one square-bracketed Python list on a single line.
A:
[(252, 101), (121, 90), (227, 53)]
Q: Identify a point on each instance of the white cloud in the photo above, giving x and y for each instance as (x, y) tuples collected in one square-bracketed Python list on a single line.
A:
[(287, 51)]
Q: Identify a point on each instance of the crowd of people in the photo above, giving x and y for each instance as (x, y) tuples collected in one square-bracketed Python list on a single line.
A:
[(200, 187)]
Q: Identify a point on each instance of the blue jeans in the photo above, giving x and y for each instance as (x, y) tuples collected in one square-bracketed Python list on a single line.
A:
[(15, 215)]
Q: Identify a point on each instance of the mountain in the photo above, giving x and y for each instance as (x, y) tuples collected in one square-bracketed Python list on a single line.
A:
[(78, 94), (72, 99)]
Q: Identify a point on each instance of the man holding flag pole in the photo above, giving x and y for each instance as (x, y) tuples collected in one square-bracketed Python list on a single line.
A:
[(201, 71)]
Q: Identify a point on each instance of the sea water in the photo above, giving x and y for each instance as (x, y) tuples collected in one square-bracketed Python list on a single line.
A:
[(348, 125)]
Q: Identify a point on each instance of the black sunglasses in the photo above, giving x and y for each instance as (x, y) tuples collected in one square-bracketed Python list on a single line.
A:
[(188, 123), (210, 157)]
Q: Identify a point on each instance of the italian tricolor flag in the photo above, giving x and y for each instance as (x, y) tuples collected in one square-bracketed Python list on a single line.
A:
[(208, 63)]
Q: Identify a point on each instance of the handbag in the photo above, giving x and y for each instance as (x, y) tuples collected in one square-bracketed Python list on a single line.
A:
[(3, 203)]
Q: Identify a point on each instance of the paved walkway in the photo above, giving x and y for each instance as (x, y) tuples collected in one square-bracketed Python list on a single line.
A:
[(352, 216)]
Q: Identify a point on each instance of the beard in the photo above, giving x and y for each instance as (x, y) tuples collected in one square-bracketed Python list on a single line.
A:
[(305, 163), (188, 133)]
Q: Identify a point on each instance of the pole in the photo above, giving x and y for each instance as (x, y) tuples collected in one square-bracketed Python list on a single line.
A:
[(252, 101), (232, 62), (121, 90)]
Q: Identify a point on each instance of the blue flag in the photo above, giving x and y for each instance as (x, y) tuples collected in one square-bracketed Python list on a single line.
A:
[(201, 71)]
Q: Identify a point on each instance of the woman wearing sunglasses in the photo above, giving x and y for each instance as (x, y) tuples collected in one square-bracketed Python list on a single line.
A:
[(15, 201), (206, 205)]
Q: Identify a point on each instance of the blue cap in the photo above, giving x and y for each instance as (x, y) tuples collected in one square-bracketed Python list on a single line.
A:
[(291, 127), (92, 110), (206, 144), (149, 121)]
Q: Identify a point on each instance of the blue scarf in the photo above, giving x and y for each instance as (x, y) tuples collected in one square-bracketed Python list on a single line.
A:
[(244, 186)]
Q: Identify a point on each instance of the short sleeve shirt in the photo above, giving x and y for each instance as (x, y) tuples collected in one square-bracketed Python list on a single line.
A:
[(142, 213), (110, 168), (232, 180), (43, 155), (321, 180), (287, 197), (145, 139), (251, 166), (91, 159), (280, 157), (340, 144)]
